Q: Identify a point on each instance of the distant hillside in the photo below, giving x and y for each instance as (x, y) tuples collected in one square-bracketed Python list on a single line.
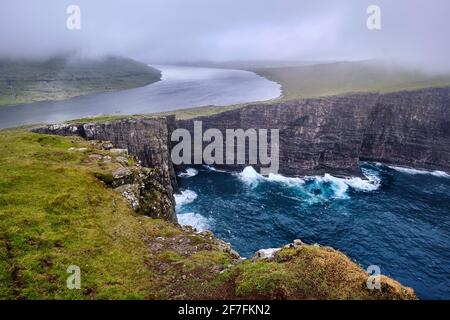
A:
[(24, 81), (343, 77)]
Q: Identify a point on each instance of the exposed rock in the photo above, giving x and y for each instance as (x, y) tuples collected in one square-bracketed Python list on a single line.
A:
[(265, 254), (78, 149), (119, 152), (131, 193), (122, 160), (107, 145), (147, 139), (140, 186), (333, 134), (96, 156)]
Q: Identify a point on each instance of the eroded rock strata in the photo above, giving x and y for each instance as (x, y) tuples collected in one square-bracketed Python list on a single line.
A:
[(333, 134), (145, 138)]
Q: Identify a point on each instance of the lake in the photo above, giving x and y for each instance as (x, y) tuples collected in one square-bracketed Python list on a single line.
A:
[(181, 87)]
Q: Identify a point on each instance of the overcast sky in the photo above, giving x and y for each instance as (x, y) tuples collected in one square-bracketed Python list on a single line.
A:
[(413, 31)]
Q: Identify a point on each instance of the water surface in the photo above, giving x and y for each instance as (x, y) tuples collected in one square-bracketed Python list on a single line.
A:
[(399, 219), (181, 87)]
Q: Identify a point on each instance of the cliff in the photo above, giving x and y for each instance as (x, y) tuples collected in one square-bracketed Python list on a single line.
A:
[(333, 134), (145, 138), (317, 136)]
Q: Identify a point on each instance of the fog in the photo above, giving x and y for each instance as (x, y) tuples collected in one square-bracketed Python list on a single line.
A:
[(412, 31)]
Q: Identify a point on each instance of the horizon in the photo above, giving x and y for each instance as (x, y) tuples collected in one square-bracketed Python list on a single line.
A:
[(200, 31)]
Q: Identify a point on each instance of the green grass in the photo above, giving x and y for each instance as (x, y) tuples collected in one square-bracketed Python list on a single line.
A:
[(24, 81), (55, 213), (311, 272), (299, 82)]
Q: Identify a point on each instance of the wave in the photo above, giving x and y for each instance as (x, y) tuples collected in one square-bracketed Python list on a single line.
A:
[(211, 168), (316, 187), (185, 197), (440, 174), (250, 176), (188, 173), (195, 220)]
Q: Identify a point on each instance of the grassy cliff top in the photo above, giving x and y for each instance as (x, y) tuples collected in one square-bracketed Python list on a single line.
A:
[(316, 80), (55, 213), (26, 81)]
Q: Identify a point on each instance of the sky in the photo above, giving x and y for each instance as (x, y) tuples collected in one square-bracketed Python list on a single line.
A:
[(415, 32)]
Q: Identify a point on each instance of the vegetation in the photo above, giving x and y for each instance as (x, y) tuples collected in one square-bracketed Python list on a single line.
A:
[(24, 81), (308, 81), (55, 212)]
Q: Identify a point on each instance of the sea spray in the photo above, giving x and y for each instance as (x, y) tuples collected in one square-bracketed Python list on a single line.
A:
[(195, 220), (440, 174), (317, 186), (184, 198), (188, 173)]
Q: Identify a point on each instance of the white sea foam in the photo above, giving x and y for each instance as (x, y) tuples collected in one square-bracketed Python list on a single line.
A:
[(185, 197), (195, 220), (339, 186), (285, 180), (188, 173), (436, 173), (250, 177), (211, 168)]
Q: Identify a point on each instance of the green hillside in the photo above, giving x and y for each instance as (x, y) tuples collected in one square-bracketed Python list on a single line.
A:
[(25, 81), (344, 77)]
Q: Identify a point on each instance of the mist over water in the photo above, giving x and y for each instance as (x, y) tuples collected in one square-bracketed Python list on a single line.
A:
[(180, 87), (397, 219)]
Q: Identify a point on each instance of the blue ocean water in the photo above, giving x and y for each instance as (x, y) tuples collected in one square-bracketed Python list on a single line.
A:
[(398, 219)]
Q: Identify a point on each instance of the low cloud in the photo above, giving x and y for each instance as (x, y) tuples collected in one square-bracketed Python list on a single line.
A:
[(413, 31)]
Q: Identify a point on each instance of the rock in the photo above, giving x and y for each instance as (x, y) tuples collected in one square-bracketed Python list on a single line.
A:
[(122, 152), (234, 254), (107, 159), (333, 134), (131, 193), (298, 243), (95, 156), (265, 254), (121, 173), (122, 160), (78, 149), (107, 145)]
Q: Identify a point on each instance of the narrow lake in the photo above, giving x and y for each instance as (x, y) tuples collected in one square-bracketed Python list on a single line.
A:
[(180, 87)]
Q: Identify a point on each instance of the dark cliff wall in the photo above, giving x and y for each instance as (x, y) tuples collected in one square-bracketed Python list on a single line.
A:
[(333, 134), (411, 129), (146, 138), (317, 136)]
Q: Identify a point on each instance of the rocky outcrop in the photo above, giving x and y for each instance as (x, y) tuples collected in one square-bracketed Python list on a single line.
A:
[(146, 138), (139, 185)]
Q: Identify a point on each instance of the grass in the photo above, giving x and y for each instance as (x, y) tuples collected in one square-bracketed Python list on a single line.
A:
[(311, 272), (309, 81), (55, 213), (23, 81)]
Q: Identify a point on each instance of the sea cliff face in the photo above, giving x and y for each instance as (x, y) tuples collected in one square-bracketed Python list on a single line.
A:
[(145, 138), (317, 136), (333, 134)]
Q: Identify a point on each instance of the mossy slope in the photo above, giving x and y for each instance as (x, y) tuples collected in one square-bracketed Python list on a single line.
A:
[(54, 213)]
